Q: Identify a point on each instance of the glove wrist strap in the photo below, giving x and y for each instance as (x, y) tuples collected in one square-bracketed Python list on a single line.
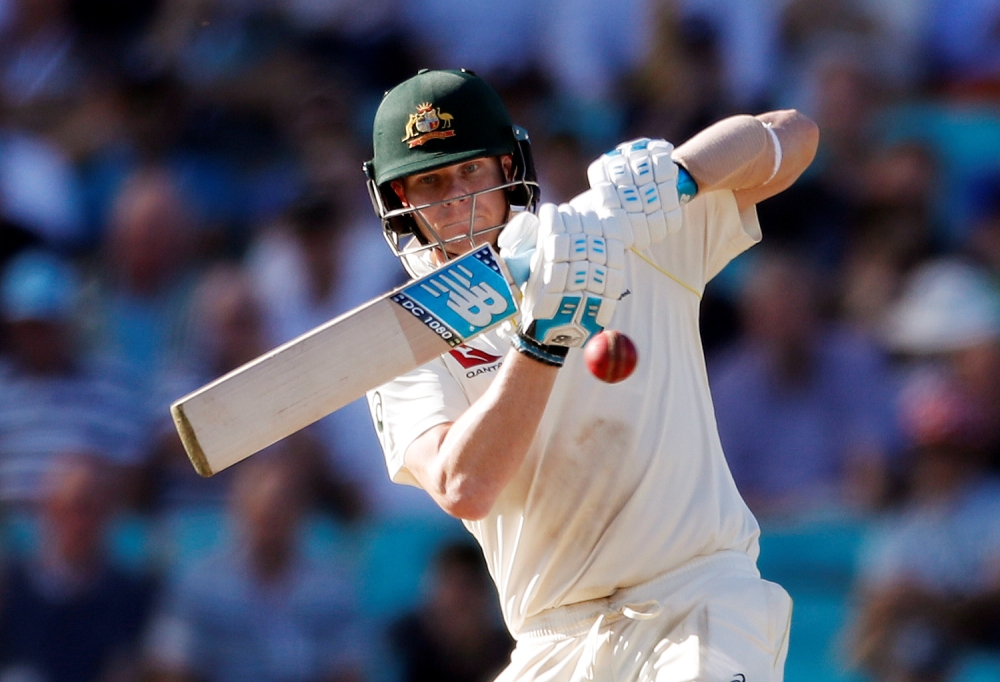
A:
[(554, 356)]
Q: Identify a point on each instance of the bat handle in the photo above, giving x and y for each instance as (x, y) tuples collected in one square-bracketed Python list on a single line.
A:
[(687, 188), (520, 265)]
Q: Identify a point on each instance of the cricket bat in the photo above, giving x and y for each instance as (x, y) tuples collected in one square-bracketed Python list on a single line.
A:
[(332, 365)]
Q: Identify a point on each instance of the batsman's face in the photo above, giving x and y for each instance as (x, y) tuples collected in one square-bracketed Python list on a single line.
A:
[(456, 205)]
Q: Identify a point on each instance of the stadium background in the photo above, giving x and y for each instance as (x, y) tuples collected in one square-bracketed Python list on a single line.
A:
[(180, 189)]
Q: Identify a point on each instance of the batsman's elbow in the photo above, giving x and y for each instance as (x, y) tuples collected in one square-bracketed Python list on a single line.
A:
[(464, 483), (466, 500), (799, 136)]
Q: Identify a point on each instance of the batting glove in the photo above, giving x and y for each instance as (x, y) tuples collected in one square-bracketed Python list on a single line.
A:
[(576, 276), (636, 183)]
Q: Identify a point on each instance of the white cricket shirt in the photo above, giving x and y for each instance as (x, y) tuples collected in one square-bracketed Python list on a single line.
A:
[(622, 482)]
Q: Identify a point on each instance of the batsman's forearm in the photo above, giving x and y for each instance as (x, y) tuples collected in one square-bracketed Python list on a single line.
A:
[(739, 153), (482, 451)]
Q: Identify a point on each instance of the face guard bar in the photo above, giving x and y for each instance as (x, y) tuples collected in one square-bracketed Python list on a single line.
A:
[(397, 241)]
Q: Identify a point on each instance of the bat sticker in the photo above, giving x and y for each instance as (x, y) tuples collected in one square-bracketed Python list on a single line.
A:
[(461, 299)]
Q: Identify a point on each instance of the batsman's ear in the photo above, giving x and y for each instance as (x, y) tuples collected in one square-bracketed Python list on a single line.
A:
[(507, 164), (397, 187)]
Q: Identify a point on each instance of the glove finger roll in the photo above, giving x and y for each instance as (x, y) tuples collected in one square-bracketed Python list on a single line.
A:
[(640, 230), (571, 219), (657, 224)]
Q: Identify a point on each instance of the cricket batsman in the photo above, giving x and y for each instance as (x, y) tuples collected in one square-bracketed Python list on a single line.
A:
[(618, 542)]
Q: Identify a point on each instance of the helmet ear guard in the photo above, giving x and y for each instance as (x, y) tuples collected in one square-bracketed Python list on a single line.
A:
[(526, 193)]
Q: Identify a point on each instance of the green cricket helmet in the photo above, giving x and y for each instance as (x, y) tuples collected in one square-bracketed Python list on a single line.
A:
[(437, 119)]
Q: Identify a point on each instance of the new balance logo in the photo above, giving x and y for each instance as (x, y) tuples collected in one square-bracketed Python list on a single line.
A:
[(464, 298), (474, 303)]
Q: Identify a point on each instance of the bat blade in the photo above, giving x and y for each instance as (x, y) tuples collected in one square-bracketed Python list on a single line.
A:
[(319, 372)]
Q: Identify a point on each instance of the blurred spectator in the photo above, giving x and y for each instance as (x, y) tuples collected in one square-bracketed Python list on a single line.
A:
[(803, 405), (329, 155), (561, 166), (903, 27), (946, 305), (678, 90), (929, 586), (53, 396), (296, 268), (67, 614), (964, 141), (360, 40), (814, 34), (817, 216), (984, 238), (749, 42), (456, 636), (39, 62), (142, 310), (497, 40), (228, 332), (38, 189), (949, 315), (964, 42), (586, 48), (314, 265), (358, 19), (207, 42), (844, 93), (262, 608), (13, 239), (108, 32), (894, 229)]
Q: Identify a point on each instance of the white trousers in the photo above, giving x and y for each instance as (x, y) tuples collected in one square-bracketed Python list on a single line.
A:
[(711, 620)]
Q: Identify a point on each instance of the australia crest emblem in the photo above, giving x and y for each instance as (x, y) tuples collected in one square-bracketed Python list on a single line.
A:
[(428, 123)]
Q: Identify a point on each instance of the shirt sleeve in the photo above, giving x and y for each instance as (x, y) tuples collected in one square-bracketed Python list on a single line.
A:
[(714, 231), (408, 406)]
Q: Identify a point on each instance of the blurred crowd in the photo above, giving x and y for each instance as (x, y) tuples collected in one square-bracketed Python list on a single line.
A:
[(181, 190)]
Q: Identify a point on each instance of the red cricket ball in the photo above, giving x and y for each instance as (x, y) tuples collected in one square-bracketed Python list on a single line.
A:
[(611, 356)]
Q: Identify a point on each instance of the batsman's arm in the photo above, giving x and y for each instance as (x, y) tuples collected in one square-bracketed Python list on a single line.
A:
[(465, 465), (754, 156)]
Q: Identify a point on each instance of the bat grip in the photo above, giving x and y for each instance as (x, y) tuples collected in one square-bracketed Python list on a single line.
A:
[(687, 188), (520, 265)]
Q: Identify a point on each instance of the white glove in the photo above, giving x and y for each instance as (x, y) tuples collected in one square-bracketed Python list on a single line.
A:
[(576, 274), (636, 182)]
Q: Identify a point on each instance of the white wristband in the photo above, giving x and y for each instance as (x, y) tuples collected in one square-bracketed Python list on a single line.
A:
[(777, 150)]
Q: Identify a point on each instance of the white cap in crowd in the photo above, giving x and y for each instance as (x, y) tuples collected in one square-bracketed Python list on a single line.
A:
[(946, 305)]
